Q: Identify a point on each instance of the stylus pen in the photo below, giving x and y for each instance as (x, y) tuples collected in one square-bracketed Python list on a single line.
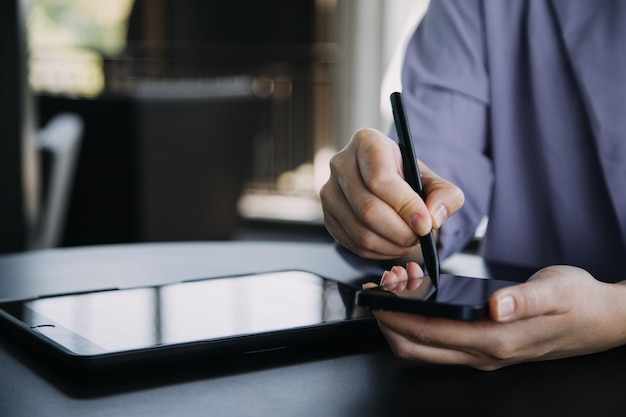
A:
[(412, 176)]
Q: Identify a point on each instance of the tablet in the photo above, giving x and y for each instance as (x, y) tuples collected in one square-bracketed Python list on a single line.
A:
[(204, 317)]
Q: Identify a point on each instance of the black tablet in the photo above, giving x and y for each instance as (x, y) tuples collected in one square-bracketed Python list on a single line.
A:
[(205, 317)]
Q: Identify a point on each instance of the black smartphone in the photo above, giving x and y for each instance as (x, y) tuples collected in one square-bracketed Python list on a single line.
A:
[(200, 318), (458, 297)]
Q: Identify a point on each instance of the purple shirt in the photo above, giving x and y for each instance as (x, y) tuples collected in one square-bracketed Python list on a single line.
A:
[(523, 105)]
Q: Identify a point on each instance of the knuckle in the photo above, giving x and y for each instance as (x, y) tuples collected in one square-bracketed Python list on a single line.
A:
[(406, 206), (529, 299), (365, 238), (361, 133), (380, 181), (369, 211), (336, 162), (365, 134)]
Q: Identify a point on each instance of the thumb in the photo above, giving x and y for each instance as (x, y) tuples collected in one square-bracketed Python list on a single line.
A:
[(531, 299), (443, 198)]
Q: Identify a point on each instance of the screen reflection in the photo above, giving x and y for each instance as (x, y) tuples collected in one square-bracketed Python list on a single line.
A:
[(452, 290), (195, 310)]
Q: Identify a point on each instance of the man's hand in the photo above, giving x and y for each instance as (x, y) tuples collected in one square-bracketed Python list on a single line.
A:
[(561, 311), (370, 208)]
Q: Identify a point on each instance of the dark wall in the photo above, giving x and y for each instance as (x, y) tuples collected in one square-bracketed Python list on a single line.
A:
[(234, 21), (261, 21)]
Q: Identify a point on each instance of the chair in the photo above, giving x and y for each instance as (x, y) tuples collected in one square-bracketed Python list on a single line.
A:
[(33, 207), (59, 144)]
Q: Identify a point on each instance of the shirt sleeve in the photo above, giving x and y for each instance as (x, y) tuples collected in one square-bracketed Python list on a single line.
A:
[(445, 86)]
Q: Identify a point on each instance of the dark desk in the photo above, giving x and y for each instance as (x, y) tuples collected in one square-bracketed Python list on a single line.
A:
[(352, 381)]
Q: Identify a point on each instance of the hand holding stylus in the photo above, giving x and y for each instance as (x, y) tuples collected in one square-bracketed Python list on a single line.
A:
[(370, 208)]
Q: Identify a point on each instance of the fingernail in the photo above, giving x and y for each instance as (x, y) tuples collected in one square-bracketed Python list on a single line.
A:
[(439, 216), (505, 308)]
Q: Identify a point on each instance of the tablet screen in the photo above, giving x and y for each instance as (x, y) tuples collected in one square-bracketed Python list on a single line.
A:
[(207, 309)]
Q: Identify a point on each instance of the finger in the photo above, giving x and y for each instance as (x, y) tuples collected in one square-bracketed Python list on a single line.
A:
[(443, 198), (365, 202), (380, 166), (394, 279), (543, 294), (399, 278), (353, 234), (415, 348), (382, 249), (481, 338), (415, 273)]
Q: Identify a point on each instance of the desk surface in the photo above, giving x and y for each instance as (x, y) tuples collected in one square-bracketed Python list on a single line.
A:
[(355, 381)]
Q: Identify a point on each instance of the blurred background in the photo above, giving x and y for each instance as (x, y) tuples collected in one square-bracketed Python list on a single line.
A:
[(158, 120)]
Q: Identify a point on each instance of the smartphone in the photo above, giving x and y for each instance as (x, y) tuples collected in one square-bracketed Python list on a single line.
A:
[(458, 297), (199, 318)]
